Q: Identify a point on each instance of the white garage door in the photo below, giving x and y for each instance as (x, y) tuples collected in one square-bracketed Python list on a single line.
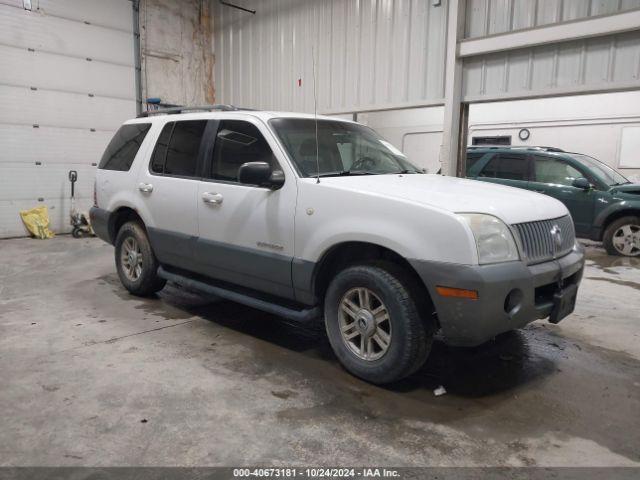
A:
[(67, 81)]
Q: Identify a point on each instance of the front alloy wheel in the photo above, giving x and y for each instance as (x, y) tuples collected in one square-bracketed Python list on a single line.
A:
[(364, 324), (373, 322)]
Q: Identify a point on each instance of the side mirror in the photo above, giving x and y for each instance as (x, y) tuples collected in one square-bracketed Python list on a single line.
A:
[(260, 174), (582, 183)]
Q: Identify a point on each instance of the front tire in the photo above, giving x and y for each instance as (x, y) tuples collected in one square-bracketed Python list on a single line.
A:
[(622, 237), (373, 323), (136, 264)]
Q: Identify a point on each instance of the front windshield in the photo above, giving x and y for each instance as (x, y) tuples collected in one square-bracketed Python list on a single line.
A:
[(602, 172), (343, 148)]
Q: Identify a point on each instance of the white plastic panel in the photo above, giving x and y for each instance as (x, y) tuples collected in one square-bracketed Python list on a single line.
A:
[(115, 14), (598, 64), (46, 81), (369, 54), (25, 145), (629, 156), (11, 224), (488, 17), (423, 149), (60, 109), (22, 28), (57, 72)]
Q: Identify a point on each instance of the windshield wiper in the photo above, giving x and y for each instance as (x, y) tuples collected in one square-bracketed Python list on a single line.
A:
[(620, 183), (345, 173)]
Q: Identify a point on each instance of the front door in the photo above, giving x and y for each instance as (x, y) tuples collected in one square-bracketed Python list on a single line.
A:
[(246, 231), (168, 187), (554, 177)]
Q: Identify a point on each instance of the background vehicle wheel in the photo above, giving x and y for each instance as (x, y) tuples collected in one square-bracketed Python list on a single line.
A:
[(373, 323), (622, 237), (136, 264), (76, 232)]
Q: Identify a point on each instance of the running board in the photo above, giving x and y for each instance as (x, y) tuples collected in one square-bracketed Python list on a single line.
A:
[(305, 315)]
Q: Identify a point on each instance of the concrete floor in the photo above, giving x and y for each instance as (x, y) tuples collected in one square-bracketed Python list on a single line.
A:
[(93, 376)]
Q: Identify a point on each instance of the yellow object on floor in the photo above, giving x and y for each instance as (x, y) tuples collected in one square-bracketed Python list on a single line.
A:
[(37, 222)]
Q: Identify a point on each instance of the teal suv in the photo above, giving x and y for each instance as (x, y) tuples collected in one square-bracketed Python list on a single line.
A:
[(605, 206)]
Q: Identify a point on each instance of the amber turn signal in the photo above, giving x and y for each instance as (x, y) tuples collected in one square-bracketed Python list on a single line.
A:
[(457, 292)]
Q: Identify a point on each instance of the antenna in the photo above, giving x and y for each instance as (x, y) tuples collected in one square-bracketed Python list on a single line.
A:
[(315, 114)]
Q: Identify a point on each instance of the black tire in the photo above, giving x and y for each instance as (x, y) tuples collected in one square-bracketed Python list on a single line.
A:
[(410, 338), (76, 232), (145, 281), (612, 230)]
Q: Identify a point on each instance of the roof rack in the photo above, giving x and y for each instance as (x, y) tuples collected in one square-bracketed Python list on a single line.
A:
[(197, 108), (516, 147)]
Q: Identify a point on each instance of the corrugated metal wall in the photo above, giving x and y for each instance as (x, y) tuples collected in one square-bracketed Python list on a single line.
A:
[(66, 84), (602, 63), (488, 17), (369, 54)]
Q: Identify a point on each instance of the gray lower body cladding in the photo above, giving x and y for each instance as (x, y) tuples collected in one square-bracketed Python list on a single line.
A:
[(463, 322), (466, 322)]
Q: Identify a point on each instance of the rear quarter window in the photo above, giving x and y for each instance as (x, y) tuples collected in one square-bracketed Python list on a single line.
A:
[(123, 147)]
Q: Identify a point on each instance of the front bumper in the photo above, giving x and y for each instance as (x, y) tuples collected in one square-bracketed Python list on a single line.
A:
[(467, 322)]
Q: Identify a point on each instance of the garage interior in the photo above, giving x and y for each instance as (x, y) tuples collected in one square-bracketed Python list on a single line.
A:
[(95, 377)]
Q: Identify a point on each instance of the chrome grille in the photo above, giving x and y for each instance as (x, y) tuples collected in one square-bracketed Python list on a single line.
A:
[(538, 243)]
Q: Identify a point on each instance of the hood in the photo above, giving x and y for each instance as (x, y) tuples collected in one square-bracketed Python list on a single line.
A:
[(630, 188), (457, 195)]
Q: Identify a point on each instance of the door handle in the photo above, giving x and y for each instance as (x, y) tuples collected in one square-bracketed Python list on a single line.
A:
[(145, 187), (214, 198)]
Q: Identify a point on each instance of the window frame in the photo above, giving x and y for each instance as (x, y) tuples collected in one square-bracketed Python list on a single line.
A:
[(200, 156), (207, 170), (526, 156)]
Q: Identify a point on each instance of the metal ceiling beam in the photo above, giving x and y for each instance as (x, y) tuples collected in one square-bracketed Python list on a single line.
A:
[(533, 37)]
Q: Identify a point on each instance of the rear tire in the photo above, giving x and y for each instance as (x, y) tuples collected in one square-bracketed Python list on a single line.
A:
[(136, 264), (622, 237), (373, 323)]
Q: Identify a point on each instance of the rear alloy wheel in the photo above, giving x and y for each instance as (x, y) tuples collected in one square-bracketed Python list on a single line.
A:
[(622, 237), (136, 264), (373, 322)]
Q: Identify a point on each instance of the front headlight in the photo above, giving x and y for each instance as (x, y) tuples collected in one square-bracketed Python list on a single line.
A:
[(494, 240)]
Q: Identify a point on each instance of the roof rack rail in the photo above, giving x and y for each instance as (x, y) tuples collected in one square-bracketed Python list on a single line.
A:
[(516, 147), (196, 108)]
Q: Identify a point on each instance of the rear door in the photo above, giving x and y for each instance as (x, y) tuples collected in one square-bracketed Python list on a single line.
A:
[(168, 188), (510, 169), (554, 177)]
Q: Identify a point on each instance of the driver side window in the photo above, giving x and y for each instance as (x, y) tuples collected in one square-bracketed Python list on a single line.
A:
[(238, 142), (551, 170)]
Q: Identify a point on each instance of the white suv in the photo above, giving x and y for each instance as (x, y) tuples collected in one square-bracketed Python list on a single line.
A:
[(310, 218)]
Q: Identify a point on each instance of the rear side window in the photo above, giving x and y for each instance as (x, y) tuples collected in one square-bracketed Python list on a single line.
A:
[(177, 149), (238, 142), (506, 166), (123, 147)]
